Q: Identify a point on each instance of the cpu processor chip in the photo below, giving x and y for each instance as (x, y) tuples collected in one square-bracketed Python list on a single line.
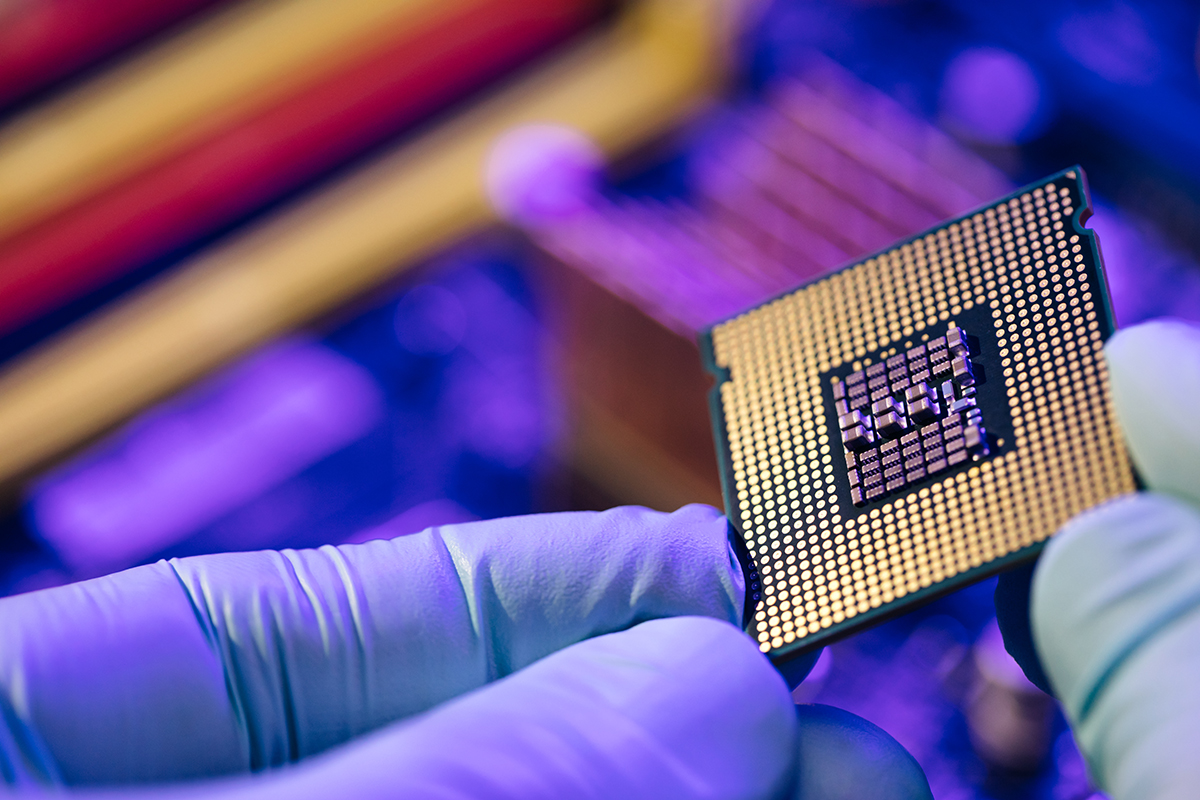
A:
[(918, 420)]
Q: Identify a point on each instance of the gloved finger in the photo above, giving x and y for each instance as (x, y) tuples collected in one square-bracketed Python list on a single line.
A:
[(1155, 373), (275, 656), (680, 708), (841, 756), (1116, 618)]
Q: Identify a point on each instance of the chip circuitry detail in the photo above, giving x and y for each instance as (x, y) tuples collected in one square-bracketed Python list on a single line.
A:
[(909, 417), (918, 420)]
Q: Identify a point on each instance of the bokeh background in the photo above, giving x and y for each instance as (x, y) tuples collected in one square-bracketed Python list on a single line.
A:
[(281, 273)]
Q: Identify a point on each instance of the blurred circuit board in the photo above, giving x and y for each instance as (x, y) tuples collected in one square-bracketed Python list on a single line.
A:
[(918, 420), (428, 406)]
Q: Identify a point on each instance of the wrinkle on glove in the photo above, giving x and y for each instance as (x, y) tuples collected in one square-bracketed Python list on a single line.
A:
[(1115, 602), (230, 663)]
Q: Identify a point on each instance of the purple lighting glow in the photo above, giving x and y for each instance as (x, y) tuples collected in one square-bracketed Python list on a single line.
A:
[(201, 456), (539, 175), (1114, 43), (992, 96)]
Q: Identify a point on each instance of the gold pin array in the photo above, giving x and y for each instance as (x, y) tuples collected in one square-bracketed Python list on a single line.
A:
[(821, 563)]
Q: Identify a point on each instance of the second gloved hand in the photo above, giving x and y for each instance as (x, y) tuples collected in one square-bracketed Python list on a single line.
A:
[(1115, 600)]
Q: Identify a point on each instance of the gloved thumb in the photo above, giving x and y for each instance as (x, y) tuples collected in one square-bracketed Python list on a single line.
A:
[(680, 708), (1115, 609), (1154, 370)]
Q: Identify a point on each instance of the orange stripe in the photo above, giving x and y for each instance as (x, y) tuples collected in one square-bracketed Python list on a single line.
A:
[(237, 170), (620, 89), (181, 91)]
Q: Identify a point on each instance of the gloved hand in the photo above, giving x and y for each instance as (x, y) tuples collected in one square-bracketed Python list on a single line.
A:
[(1115, 599), (566, 655)]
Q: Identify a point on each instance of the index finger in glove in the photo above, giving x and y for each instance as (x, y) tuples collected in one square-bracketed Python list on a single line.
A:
[(274, 656)]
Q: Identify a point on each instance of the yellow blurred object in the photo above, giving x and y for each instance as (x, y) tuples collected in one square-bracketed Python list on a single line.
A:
[(180, 91), (658, 61)]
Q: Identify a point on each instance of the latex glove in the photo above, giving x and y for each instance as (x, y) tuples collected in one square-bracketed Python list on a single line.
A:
[(1115, 599), (466, 661)]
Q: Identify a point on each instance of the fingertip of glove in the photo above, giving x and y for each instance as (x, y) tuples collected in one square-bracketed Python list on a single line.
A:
[(1155, 376), (842, 756), (1150, 337)]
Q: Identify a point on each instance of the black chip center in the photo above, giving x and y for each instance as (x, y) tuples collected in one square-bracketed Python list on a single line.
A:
[(920, 413)]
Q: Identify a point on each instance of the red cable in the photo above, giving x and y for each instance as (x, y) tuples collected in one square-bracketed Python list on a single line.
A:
[(276, 149), (44, 40)]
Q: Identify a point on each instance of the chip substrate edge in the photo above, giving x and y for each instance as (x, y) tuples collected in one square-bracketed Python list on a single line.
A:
[(1060, 250)]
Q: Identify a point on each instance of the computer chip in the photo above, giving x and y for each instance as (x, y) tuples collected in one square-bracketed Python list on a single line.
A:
[(918, 420)]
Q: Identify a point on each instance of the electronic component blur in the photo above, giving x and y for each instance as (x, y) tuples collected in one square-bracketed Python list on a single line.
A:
[(280, 273)]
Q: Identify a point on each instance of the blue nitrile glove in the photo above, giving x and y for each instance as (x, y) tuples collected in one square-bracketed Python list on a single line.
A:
[(1115, 598), (532, 657)]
